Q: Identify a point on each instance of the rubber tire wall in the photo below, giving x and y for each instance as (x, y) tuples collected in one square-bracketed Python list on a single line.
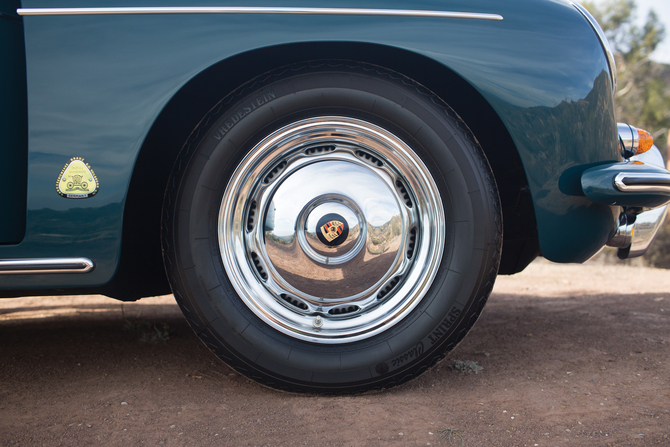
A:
[(340, 88)]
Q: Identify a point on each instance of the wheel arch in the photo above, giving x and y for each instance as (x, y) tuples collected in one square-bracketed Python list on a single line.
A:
[(141, 272)]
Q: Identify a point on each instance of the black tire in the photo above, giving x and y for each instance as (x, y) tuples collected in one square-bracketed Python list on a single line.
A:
[(376, 355)]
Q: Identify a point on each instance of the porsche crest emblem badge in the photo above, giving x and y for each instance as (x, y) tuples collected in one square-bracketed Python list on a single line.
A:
[(332, 230), (77, 180)]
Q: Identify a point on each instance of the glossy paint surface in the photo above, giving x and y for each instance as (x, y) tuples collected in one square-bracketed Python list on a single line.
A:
[(97, 83), (13, 125)]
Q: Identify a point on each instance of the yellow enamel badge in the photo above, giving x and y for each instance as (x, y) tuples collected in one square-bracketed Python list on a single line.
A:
[(77, 180)]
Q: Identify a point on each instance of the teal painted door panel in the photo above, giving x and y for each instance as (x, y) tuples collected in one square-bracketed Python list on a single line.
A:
[(13, 125)]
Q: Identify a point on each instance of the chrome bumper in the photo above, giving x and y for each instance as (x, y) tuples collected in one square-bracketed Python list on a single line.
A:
[(641, 182), (636, 233), (646, 185)]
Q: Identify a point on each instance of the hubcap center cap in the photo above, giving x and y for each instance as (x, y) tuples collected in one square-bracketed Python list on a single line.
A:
[(332, 229)]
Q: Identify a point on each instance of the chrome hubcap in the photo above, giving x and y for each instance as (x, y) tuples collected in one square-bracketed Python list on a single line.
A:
[(331, 230)]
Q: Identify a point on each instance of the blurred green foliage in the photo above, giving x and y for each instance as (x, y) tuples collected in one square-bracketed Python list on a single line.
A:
[(643, 91)]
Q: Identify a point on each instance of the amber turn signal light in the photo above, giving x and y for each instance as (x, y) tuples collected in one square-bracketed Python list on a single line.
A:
[(646, 141)]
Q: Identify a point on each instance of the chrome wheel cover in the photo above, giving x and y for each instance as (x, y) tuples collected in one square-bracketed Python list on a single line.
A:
[(331, 230)]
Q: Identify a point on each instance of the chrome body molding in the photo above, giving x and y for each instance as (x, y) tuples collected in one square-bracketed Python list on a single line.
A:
[(642, 182), (45, 265), (258, 10)]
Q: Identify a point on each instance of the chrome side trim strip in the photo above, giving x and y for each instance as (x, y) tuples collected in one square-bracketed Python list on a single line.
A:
[(45, 265), (258, 10), (642, 182)]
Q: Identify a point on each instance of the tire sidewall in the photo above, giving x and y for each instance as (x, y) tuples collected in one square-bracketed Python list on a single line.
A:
[(432, 130)]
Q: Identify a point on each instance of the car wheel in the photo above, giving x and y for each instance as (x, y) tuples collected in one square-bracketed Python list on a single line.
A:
[(331, 227)]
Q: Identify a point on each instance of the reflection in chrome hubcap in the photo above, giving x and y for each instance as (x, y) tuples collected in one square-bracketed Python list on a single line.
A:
[(319, 234), (331, 220)]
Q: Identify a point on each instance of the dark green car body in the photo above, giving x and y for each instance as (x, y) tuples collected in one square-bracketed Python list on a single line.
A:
[(123, 92)]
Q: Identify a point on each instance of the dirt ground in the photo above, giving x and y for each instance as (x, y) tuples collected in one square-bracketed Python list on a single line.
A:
[(571, 355)]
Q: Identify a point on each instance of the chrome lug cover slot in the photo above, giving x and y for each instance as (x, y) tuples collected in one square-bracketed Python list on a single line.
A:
[(331, 229)]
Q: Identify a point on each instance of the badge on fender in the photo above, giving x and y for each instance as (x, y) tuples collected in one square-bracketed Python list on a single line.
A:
[(77, 180)]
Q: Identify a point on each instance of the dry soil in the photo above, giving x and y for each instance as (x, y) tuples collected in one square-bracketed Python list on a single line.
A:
[(571, 355)]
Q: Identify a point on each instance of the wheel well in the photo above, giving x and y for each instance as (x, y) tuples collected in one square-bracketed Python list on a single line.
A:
[(141, 271)]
